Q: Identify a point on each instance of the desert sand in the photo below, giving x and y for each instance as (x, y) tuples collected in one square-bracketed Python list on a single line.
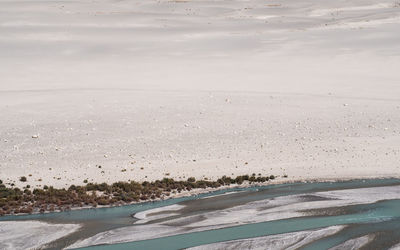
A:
[(141, 90)]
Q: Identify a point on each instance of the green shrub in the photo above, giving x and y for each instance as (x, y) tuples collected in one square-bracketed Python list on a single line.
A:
[(14, 200)]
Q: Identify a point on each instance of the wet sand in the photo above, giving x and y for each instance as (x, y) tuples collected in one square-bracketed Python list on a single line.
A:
[(32, 234)]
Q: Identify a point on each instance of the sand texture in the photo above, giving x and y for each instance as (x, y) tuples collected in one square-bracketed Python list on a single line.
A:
[(31, 234), (141, 90)]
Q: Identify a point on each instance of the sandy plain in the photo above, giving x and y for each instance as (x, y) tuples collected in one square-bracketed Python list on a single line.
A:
[(141, 90)]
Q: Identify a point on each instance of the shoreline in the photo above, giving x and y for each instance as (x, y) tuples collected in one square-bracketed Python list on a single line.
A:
[(194, 192), (16, 201)]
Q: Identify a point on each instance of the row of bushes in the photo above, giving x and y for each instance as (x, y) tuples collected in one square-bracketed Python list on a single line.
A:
[(15, 200)]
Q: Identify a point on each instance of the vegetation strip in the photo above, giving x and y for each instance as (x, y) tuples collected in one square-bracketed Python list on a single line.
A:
[(49, 199)]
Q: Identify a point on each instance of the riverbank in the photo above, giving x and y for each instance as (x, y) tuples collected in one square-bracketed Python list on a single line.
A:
[(50, 199), (15, 201)]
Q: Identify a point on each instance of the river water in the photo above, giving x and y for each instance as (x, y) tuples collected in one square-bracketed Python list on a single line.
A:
[(361, 213)]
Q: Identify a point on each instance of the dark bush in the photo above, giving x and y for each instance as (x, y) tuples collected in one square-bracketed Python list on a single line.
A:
[(14, 200)]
